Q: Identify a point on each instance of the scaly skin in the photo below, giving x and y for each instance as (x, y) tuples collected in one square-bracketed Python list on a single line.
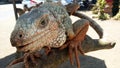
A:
[(48, 26)]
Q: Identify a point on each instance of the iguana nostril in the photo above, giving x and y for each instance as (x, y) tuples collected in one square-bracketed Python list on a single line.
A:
[(20, 36)]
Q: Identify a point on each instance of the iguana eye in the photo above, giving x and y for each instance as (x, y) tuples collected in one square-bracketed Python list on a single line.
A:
[(43, 22)]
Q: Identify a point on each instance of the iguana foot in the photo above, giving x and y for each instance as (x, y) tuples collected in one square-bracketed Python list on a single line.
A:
[(74, 48), (26, 58)]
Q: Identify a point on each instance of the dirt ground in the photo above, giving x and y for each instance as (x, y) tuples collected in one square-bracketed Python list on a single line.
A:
[(109, 58)]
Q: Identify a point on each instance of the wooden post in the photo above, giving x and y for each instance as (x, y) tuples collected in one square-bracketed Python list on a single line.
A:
[(15, 12)]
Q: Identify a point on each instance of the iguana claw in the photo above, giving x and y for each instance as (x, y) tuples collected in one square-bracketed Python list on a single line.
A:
[(26, 58)]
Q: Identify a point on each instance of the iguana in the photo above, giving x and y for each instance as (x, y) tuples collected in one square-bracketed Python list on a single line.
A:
[(47, 26)]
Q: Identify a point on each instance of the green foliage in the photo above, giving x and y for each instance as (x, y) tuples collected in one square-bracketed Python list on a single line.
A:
[(99, 6), (99, 9), (102, 4), (104, 16)]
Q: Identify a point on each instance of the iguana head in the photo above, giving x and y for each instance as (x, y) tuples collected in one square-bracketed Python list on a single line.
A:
[(37, 29)]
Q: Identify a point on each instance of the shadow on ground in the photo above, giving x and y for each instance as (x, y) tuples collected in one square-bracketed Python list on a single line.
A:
[(86, 62)]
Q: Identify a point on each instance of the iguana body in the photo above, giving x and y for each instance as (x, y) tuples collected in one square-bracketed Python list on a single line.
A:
[(48, 26)]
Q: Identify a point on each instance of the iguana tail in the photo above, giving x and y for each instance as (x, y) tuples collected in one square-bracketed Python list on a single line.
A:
[(93, 24)]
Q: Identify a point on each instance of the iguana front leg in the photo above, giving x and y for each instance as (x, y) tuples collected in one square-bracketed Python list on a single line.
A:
[(27, 58), (80, 28)]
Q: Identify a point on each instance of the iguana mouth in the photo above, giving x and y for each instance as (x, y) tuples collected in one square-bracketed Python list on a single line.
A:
[(23, 46)]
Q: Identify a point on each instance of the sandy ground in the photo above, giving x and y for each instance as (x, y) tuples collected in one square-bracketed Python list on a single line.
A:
[(97, 59)]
